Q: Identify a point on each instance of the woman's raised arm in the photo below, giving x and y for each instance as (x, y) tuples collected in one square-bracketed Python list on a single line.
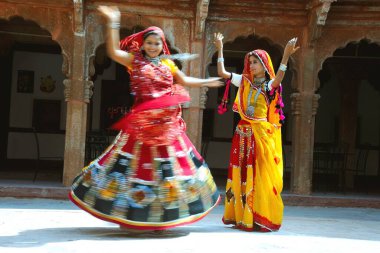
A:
[(112, 14)]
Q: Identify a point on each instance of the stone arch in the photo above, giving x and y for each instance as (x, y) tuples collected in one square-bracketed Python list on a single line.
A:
[(211, 50), (43, 28), (235, 31), (321, 60), (57, 22), (348, 79), (62, 41), (342, 43)]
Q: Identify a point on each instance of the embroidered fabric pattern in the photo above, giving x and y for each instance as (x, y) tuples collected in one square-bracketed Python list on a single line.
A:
[(151, 177)]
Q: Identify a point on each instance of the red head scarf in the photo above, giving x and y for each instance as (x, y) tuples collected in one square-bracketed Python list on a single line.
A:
[(264, 58), (134, 42), (266, 61)]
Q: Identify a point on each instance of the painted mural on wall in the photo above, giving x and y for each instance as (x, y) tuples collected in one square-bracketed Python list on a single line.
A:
[(47, 84), (25, 81)]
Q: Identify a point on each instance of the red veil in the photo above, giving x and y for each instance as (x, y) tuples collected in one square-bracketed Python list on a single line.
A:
[(133, 42)]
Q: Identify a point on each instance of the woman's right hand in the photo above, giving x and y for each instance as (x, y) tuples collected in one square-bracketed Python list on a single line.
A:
[(218, 40), (112, 13), (212, 82)]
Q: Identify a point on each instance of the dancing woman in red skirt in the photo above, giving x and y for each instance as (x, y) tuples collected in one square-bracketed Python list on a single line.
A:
[(151, 177)]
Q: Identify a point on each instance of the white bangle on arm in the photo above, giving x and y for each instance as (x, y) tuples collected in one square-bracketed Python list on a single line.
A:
[(220, 59), (114, 25), (282, 67)]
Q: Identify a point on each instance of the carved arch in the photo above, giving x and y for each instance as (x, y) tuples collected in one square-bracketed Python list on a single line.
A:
[(232, 36), (49, 22), (321, 66), (340, 45)]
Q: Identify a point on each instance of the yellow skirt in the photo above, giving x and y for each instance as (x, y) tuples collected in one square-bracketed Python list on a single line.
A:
[(253, 193)]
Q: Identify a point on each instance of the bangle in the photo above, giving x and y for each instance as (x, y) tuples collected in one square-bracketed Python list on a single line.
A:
[(282, 67), (221, 59), (114, 25)]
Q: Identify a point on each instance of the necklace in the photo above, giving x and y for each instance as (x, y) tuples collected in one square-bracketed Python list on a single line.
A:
[(154, 60), (258, 81), (251, 106)]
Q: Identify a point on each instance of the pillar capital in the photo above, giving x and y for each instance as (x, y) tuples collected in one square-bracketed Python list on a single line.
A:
[(298, 99), (78, 90)]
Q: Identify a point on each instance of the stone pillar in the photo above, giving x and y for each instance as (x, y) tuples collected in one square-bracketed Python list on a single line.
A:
[(305, 102), (193, 115), (75, 138), (304, 106), (78, 93), (78, 90)]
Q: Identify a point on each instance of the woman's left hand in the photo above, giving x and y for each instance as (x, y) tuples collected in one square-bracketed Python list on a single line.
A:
[(291, 47)]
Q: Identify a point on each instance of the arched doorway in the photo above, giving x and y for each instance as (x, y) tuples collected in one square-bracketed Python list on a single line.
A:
[(218, 129), (347, 133), (33, 109)]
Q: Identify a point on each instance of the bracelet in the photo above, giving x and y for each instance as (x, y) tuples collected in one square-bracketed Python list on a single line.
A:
[(114, 25), (220, 59), (282, 67)]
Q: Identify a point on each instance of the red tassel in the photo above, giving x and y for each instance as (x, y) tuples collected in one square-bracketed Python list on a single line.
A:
[(222, 108)]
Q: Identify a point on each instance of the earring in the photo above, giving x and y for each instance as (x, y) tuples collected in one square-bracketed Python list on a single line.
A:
[(141, 48)]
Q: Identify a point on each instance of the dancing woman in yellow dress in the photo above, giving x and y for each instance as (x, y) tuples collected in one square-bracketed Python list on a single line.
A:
[(253, 192)]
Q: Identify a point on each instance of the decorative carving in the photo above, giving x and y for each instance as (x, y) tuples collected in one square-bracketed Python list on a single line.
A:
[(91, 66), (323, 10), (318, 17), (66, 64), (232, 33), (67, 90), (200, 18), (296, 103), (8, 11), (210, 51), (88, 84), (203, 97), (88, 90), (78, 17), (315, 105)]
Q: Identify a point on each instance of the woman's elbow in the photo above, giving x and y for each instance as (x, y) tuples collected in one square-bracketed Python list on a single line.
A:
[(275, 85), (222, 74)]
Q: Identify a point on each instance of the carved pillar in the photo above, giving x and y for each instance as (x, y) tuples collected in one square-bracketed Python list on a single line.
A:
[(194, 114), (304, 107), (77, 94), (305, 102)]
